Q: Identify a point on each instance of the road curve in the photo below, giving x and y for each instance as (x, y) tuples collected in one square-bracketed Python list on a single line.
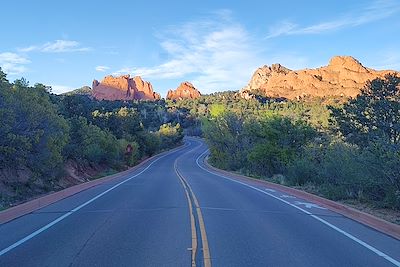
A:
[(174, 211)]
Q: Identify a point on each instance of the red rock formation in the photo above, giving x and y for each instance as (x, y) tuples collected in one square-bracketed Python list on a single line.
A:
[(123, 88), (344, 76), (185, 90)]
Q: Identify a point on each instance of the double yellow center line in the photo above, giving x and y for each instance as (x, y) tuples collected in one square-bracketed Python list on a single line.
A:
[(203, 234)]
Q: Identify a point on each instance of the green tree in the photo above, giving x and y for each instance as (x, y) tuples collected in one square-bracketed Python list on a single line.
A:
[(375, 113), (217, 110), (32, 134), (170, 135), (90, 144), (227, 141), (149, 143), (276, 142)]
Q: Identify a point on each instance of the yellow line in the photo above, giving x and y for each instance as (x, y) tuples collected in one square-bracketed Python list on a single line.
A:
[(192, 220), (204, 240)]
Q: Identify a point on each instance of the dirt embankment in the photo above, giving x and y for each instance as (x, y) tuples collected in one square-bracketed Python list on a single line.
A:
[(17, 186)]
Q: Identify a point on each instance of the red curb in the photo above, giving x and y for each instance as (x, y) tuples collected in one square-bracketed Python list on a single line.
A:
[(38, 203), (379, 224)]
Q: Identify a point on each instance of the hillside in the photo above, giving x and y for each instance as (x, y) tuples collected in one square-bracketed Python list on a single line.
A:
[(84, 90)]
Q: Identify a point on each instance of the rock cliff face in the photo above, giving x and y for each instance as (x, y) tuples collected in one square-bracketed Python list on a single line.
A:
[(344, 76), (184, 91), (123, 88)]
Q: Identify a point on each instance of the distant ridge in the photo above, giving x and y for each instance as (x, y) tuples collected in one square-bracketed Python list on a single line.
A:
[(84, 90)]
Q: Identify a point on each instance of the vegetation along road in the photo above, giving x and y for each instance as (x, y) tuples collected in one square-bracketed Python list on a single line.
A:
[(175, 211)]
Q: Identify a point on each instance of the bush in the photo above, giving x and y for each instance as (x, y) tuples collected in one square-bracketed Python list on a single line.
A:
[(303, 170), (337, 166), (90, 144), (344, 171), (383, 161), (149, 143), (129, 158)]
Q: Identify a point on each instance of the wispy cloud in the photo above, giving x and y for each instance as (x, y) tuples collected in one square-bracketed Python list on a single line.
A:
[(377, 10), (57, 46), (389, 59), (28, 49), (216, 53), (12, 63), (102, 68)]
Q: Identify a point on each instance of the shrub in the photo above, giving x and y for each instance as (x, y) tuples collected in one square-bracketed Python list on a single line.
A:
[(91, 144), (303, 170), (129, 158), (149, 143)]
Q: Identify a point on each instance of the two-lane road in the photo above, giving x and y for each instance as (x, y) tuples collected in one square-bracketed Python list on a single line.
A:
[(174, 211)]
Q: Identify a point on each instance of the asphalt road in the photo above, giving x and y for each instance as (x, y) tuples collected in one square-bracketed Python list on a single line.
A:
[(173, 211)]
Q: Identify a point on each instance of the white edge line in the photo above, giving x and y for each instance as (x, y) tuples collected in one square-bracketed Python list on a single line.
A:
[(59, 219), (362, 243)]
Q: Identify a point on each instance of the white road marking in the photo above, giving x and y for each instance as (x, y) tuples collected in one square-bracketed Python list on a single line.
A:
[(269, 190), (287, 196), (59, 219), (309, 205), (355, 239)]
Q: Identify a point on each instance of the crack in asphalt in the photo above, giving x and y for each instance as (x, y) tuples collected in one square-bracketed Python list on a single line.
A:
[(89, 238)]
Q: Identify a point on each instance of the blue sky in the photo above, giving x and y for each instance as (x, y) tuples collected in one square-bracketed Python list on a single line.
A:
[(214, 44)]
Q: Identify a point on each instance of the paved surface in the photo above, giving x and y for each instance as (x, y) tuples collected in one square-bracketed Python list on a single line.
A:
[(173, 211)]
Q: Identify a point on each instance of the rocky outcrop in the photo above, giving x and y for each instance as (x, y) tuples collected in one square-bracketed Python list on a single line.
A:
[(123, 88), (186, 90), (344, 76)]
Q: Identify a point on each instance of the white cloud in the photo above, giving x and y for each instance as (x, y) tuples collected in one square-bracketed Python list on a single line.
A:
[(12, 63), (13, 58), (216, 52), (59, 89), (378, 10), (57, 46), (102, 68)]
